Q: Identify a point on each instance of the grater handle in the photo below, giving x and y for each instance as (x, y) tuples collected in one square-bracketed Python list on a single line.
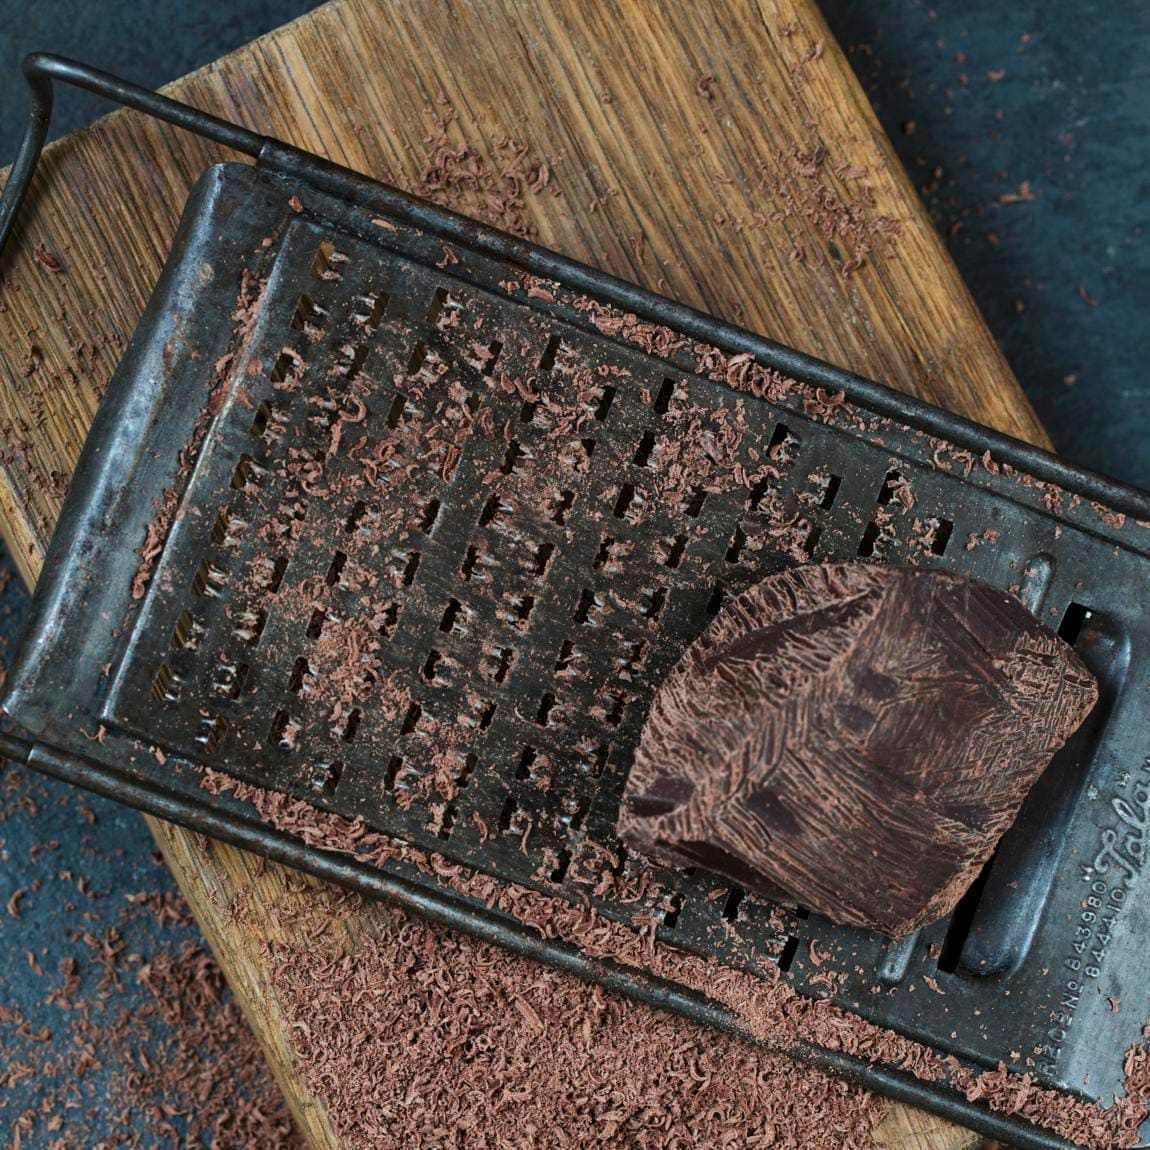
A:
[(42, 69), (13, 748)]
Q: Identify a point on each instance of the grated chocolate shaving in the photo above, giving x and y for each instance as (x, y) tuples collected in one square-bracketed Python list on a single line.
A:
[(770, 1009)]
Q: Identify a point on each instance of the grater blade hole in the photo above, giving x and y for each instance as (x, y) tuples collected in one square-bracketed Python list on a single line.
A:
[(784, 445), (613, 706), (521, 608), (603, 556), (563, 861), (606, 399), (673, 910), (268, 574), (395, 412), (941, 537), (787, 955), (512, 456), (550, 353), (470, 560), (394, 766), (447, 623), (308, 316), (507, 814), (300, 672), (891, 484), (389, 620), (261, 421), (738, 542), (494, 350), (625, 499), (211, 732), (325, 777), (644, 450), (335, 568), (286, 363), (248, 475), (492, 509), (470, 762), (961, 921), (596, 760), (675, 548), (1073, 620), (652, 603), (352, 357), (758, 493), (418, 358), (526, 762), (543, 555), (324, 265), (229, 679), (576, 812), (587, 608), (665, 397), (187, 632), (498, 664), (356, 517), (431, 663), (229, 529), (410, 568), (284, 731), (830, 492), (565, 657), (430, 516), (693, 503), (209, 580), (315, 624), (440, 299), (733, 902), (561, 504), (631, 659), (249, 625), (351, 727), (368, 310), (715, 603), (166, 685), (869, 540), (446, 821), (411, 719)]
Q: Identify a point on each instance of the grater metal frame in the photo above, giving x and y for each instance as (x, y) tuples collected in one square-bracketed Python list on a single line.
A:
[(343, 200)]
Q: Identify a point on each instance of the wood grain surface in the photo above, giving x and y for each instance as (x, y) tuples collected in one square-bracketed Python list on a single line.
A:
[(721, 153)]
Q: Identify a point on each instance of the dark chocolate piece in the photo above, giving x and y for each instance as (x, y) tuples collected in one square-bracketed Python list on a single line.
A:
[(854, 739)]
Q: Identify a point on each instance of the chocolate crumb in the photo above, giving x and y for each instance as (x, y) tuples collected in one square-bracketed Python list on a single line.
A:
[(47, 259)]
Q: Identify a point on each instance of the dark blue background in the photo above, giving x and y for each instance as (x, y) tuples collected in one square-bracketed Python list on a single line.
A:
[(978, 98)]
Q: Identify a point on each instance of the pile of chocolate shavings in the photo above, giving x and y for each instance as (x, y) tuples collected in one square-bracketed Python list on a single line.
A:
[(429, 1037), (456, 173), (137, 1043), (772, 1011)]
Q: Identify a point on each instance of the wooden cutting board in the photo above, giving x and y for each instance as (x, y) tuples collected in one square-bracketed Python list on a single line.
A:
[(721, 153)]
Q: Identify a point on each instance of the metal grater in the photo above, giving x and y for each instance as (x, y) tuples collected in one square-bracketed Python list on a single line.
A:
[(517, 587)]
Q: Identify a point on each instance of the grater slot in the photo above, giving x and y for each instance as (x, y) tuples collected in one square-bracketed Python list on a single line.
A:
[(1022, 872)]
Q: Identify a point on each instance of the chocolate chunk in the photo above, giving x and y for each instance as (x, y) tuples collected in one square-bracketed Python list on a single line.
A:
[(854, 739)]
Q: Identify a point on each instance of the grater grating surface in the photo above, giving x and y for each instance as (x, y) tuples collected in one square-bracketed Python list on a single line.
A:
[(447, 528)]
